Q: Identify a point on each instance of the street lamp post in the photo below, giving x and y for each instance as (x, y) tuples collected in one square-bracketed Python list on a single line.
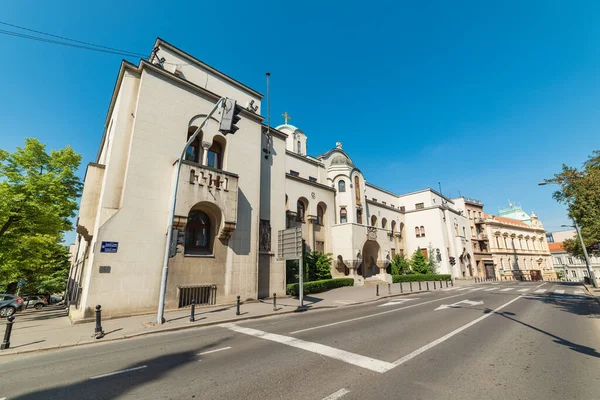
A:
[(585, 253)]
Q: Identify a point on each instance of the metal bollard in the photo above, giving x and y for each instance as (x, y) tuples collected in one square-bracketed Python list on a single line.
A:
[(452, 283), (99, 333), (446, 283), (389, 288), (427, 285), (401, 291), (377, 291), (410, 284), (274, 301), (237, 312), (434, 285), (6, 342), (193, 311), (420, 285)]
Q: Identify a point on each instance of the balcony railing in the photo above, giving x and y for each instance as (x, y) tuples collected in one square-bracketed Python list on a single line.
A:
[(479, 220)]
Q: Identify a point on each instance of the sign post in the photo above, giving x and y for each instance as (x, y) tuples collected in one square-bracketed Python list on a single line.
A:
[(289, 247)]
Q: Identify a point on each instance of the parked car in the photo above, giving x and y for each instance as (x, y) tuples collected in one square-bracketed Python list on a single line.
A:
[(9, 304), (37, 302)]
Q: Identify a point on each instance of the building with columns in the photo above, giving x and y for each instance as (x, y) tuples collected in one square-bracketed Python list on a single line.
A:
[(235, 192)]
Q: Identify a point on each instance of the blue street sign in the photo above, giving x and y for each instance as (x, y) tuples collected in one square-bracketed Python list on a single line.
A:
[(109, 247), (21, 282)]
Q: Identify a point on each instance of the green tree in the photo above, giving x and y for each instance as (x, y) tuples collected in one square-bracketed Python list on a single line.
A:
[(400, 265), (38, 197), (434, 264), (580, 191), (317, 266), (419, 263)]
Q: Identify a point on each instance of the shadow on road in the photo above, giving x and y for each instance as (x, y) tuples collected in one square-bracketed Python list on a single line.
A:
[(120, 384)]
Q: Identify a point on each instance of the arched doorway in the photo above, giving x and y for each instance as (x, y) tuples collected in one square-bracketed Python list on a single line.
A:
[(371, 250)]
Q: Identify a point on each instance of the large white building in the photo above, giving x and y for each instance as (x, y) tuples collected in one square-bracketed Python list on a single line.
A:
[(572, 268), (235, 193)]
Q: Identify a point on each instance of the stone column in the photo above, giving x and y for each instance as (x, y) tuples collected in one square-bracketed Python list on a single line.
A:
[(311, 219), (205, 147)]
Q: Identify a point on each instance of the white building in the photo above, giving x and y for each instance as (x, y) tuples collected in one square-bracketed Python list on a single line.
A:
[(235, 192), (573, 268)]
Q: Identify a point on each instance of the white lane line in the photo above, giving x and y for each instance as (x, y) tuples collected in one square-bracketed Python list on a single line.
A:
[(332, 396), (575, 292), (540, 291), (118, 372), (213, 351), (376, 314), (464, 288), (342, 355), (345, 302), (488, 289), (559, 291), (476, 289), (449, 335), (523, 290), (506, 289)]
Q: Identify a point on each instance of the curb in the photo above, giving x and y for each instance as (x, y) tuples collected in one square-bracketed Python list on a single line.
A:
[(207, 324), (587, 289)]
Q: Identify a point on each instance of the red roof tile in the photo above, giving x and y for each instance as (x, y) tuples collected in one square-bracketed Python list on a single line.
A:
[(556, 247)]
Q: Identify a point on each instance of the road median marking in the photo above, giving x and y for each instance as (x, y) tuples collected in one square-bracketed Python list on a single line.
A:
[(397, 302), (376, 314), (458, 304), (213, 351), (118, 372), (332, 396), (337, 354), (428, 346)]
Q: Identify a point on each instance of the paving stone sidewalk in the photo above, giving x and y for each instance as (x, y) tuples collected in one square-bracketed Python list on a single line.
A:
[(50, 328)]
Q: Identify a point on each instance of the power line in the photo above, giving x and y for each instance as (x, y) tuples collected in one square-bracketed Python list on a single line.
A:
[(83, 45)]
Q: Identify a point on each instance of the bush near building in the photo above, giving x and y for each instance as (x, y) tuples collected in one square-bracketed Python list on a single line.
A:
[(319, 286), (421, 278)]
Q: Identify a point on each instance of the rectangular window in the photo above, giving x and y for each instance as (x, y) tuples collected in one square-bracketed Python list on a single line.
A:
[(585, 273), (472, 232), (570, 260), (320, 246), (419, 206), (359, 217), (424, 252), (574, 274), (402, 208), (393, 253), (479, 214), (312, 179), (294, 173), (469, 211), (558, 260)]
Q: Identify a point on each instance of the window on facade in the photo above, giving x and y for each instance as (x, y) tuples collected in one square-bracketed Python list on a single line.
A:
[(505, 243), (320, 246), (312, 179), (419, 206), (374, 199), (574, 274), (472, 232), (393, 226), (570, 260), (342, 186), (197, 233), (456, 229), (585, 273), (359, 217), (299, 147), (294, 173), (343, 216), (393, 253), (373, 220), (527, 243), (521, 244), (417, 231), (402, 208), (320, 215), (502, 263), (192, 153), (424, 252), (469, 212), (497, 242), (422, 232), (384, 223), (215, 156), (464, 232), (300, 211), (479, 214), (559, 260), (357, 188)]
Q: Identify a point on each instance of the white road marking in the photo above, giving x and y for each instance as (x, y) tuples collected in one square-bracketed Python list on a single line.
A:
[(476, 289), (540, 291), (523, 290), (345, 301), (332, 396), (576, 292), (506, 289), (457, 304), (342, 355), (374, 315), (487, 290), (5, 398), (213, 351), (118, 372), (428, 346), (559, 291), (397, 302)]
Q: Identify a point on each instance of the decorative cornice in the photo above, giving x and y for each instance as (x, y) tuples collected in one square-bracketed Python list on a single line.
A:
[(316, 184), (304, 158)]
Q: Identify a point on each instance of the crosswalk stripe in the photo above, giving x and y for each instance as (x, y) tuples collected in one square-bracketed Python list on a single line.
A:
[(559, 291), (449, 289), (523, 290), (541, 291), (579, 292), (506, 289), (487, 290), (464, 288), (476, 289)]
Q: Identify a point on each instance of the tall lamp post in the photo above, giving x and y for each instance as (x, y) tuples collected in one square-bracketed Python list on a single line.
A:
[(585, 253)]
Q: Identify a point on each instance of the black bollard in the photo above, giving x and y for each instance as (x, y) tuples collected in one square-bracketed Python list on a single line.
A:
[(274, 301), (452, 283), (401, 291), (427, 285), (410, 284), (446, 283), (6, 342), (237, 311), (420, 286), (193, 311), (434, 285), (99, 333), (377, 291)]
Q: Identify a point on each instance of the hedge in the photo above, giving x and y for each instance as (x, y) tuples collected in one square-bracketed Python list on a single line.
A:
[(421, 277), (319, 286)]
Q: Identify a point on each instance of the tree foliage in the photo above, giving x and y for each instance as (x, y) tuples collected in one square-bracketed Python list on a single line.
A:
[(580, 191), (317, 265), (400, 265), (434, 264), (38, 197), (419, 263)]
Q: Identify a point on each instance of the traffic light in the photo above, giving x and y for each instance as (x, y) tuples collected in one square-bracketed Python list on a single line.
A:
[(230, 117), (177, 238), (452, 261)]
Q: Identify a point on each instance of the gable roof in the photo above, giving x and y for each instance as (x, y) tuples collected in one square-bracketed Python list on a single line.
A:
[(556, 247)]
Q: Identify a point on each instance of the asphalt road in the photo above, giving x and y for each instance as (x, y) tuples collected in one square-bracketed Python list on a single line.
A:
[(504, 341)]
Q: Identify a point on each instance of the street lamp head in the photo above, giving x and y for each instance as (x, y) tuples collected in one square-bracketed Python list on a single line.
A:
[(567, 226)]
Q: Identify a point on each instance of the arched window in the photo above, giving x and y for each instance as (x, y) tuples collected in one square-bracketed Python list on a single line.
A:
[(384, 223), (357, 188), (359, 217), (300, 211), (299, 147), (342, 185), (422, 232), (343, 216), (198, 233), (417, 231), (464, 232), (192, 153), (393, 226), (215, 156), (320, 215), (373, 220)]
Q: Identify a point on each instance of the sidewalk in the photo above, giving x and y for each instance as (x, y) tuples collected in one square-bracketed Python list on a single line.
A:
[(50, 328), (593, 291)]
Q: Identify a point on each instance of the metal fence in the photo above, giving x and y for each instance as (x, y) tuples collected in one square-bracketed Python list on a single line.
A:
[(201, 294)]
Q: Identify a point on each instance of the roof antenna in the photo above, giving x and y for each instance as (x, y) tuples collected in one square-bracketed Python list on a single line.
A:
[(267, 149)]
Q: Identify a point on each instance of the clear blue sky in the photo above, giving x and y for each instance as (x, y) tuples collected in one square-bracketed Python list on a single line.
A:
[(486, 98)]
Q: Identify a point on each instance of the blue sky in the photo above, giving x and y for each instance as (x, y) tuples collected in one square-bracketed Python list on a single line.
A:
[(487, 99)]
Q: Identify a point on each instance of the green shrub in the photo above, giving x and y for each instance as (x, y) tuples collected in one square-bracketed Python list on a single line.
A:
[(419, 263), (319, 286), (421, 278), (399, 265)]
